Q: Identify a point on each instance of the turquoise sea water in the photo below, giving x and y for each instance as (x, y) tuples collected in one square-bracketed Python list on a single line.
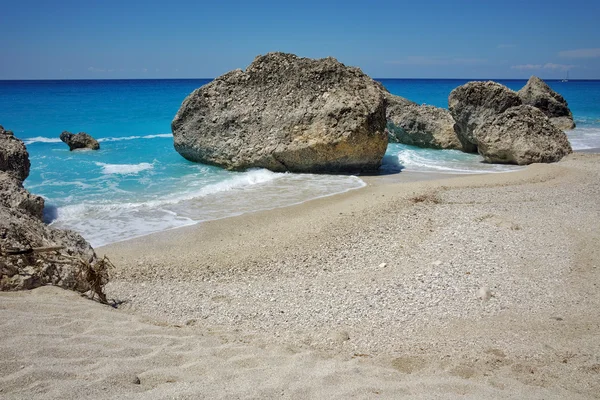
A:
[(137, 184)]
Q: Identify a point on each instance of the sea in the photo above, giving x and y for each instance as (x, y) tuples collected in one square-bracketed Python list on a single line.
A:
[(137, 184)]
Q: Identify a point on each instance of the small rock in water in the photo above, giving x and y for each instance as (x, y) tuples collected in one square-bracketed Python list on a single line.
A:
[(484, 294)]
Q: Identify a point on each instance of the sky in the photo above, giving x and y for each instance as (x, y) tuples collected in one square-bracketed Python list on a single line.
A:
[(131, 39)]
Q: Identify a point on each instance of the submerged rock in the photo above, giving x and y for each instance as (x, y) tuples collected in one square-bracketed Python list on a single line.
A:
[(80, 140), (538, 94), (23, 233), (423, 126), (474, 103), (521, 135), (285, 113), (14, 158)]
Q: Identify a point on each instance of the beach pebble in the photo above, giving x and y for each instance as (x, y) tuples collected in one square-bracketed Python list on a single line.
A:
[(136, 380), (341, 336), (484, 293), (382, 265), (437, 263)]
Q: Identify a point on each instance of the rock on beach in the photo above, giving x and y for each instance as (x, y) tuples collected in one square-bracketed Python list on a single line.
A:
[(22, 230), (420, 125), (521, 135), (285, 113), (538, 94), (474, 103)]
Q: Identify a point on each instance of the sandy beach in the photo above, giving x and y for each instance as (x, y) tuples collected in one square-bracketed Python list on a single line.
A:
[(481, 286)]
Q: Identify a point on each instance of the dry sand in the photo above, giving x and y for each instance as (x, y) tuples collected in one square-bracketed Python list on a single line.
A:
[(368, 294)]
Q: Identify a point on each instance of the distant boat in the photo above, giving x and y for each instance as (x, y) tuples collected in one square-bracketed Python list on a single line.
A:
[(567, 78)]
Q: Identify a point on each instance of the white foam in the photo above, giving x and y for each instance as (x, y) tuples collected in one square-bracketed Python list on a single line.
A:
[(124, 169), (41, 139), (239, 181), (119, 139), (587, 137), (108, 222), (407, 158)]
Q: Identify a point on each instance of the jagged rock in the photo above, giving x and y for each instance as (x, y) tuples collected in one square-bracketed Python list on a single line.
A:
[(13, 195), (80, 140), (423, 126), (14, 158), (475, 102), (285, 113), (22, 230), (521, 135), (538, 94)]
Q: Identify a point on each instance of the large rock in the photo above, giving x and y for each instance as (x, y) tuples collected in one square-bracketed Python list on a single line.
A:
[(14, 158), (420, 125), (474, 103), (538, 94), (521, 135), (23, 235), (79, 140), (285, 113)]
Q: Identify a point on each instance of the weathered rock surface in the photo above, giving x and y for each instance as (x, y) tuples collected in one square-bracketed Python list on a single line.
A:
[(14, 158), (475, 102), (420, 125), (521, 135), (285, 113), (22, 230), (80, 140), (538, 94)]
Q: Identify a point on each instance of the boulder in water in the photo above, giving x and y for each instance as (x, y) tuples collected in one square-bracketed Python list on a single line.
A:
[(474, 103), (538, 94), (79, 140), (521, 135), (420, 125), (285, 113)]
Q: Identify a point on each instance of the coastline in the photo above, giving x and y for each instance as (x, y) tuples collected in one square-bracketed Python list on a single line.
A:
[(373, 291)]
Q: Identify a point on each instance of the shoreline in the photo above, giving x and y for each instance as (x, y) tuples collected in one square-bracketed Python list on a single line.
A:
[(368, 293)]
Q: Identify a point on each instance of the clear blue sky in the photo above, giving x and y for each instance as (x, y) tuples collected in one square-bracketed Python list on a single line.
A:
[(73, 39)]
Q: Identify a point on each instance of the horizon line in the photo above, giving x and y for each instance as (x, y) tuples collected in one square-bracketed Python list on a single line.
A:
[(184, 79)]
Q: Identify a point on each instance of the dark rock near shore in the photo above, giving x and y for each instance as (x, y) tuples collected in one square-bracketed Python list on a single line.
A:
[(538, 94), (23, 233), (420, 125), (285, 113), (521, 135), (474, 103), (14, 158), (80, 140)]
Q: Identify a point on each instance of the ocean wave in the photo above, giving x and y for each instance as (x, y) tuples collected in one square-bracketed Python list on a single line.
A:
[(124, 169), (41, 139), (119, 139), (587, 137), (408, 158), (109, 221), (239, 181)]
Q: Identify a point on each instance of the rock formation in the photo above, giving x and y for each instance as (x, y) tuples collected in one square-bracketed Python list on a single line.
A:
[(285, 113), (423, 126), (538, 94), (474, 103), (32, 253), (80, 140), (14, 159), (521, 135)]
